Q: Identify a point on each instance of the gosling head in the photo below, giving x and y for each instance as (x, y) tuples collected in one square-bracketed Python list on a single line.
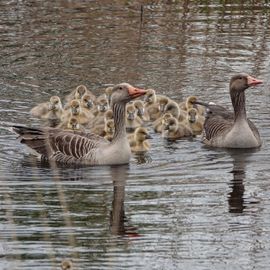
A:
[(109, 127), (173, 108), (67, 264), (123, 93), (108, 115), (163, 101), (75, 107), (55, 103), (141, 134), (73, 124), (87, 102), (140, 107), (171, 124), (131, 112), (103, 105), (240, 82), (80, 91), (150, 96), (108, 93), (192, 115)]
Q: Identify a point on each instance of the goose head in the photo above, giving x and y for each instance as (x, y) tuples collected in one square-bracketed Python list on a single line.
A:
[(140, 107), (131, 112), (55, 103), (73, 124), (67, 264), (150, 96), (124, 92), (240, 82), (75, 107), (141, 134), (87, 102), (192, 115), (173, 108), (80, 91)]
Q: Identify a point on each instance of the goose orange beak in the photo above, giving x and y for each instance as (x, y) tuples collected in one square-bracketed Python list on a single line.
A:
[(253, 81), (136, 92)]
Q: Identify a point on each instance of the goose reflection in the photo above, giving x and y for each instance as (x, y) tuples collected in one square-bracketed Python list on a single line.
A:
[(118, 220), (236, 195)]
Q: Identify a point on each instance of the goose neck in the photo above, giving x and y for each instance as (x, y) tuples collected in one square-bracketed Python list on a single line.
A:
[(239, 104), (119, 115)]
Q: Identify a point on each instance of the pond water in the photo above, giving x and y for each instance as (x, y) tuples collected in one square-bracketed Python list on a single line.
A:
[(182, 206)]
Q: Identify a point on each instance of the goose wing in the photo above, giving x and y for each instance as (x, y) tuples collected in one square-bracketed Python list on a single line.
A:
[(58, 145)]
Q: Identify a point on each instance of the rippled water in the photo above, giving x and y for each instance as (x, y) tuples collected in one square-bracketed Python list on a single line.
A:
[(184, 206)]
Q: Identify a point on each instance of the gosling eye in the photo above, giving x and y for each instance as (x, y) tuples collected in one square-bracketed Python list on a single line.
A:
[(120, 87)]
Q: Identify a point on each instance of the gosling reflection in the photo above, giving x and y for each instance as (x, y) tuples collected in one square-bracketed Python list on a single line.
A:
[(236, 195), (118, 221)]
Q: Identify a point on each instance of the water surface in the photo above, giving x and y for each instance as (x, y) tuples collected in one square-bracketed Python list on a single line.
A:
[(183, 206)]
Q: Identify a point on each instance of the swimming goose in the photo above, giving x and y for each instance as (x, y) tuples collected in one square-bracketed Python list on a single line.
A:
[(132, 120), (232, 130), (48, 110), (85, 148), (138, 142), (173, 130)]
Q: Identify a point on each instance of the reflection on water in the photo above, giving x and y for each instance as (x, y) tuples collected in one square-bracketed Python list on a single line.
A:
[(236, 195), (180, 206)]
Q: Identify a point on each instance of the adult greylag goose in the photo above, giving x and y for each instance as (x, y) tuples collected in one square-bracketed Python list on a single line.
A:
[(232, 130), (139, 141), (85, 148), (48, 110)]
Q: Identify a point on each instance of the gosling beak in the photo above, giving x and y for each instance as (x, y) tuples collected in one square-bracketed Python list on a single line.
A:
[(136, 92), (148, 136), (253, 81), (90, 104)]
